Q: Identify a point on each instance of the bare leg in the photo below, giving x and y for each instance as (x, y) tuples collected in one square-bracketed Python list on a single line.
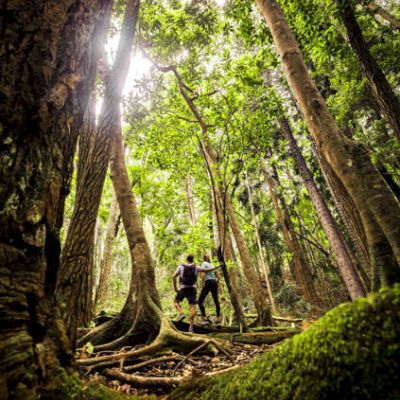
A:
[(192, 314), (178, 307)]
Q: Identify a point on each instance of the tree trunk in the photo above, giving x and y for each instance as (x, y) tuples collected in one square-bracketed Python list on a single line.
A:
[(263, 261), (76, 261), (258, 293), (380, 88), (378, 10), (47, 56), (146, 300), (343, 260), (349, 160), (190, 199), (351, 219), (106, 259), (301, 269)]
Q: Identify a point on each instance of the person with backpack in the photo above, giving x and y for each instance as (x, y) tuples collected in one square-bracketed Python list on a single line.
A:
[(210, 285), (187, 274)]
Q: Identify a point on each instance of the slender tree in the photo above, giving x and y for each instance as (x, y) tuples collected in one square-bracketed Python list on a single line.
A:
[(344, 262), (106, 258), (301, 269), (263, 261), (380, 88), (376, 9), (349, 160)]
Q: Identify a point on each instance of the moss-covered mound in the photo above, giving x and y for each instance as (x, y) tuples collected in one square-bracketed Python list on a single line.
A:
[(353, 352)]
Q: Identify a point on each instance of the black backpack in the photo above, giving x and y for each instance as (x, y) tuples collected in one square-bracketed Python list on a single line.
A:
[(188, 275)]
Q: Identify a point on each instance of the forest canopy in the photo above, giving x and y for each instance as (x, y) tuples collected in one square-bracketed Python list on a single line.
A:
[(200, 189)]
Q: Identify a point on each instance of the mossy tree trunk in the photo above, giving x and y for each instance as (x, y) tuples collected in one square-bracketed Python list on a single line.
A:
[(344, 262), (47, 58), (76, 260), (378, 208)]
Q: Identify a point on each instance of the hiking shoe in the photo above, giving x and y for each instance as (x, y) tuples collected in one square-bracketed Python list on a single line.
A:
[(205, 322), (180, 318)]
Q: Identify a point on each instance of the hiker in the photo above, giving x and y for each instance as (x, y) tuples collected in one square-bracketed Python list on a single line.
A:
[(210, 280), (188, 277)]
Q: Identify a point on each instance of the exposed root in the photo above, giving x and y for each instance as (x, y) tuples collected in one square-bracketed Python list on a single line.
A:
[(172, 357), (146, 381)]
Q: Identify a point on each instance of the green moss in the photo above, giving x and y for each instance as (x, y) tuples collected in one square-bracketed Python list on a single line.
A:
[(68, 386), (353, 352)]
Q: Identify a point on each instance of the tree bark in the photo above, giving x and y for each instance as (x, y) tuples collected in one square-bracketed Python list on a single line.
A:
[(46, 58), (76, 260), (378, 10), (380, 88), (345, 265), (349, 160), (106, 259), (301, 268), (263, 261)]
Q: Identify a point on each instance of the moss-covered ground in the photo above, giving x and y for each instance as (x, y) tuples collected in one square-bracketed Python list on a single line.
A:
[(352, 353)]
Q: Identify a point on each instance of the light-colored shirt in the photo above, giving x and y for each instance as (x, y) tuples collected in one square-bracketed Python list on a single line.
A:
[(208, 274), (179, 271)]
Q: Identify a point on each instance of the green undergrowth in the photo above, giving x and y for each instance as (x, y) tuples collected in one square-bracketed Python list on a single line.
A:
[(353, 352)]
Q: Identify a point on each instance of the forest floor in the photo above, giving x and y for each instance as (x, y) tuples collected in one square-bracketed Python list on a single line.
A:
[(176, 368)]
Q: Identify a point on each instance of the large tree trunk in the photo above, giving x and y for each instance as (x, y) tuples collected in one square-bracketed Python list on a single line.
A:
[(76, 262), (349, 160), (343, 260), (378, 10), (106, 259), (263, 261), (380, 88), (143, 293), (301, 268), (46, 58)]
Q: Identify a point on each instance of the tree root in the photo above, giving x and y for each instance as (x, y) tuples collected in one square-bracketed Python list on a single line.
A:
[(168, 339)]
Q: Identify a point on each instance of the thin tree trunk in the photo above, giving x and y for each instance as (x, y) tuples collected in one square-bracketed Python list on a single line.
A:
[(106, 260), (350, 218), (343, 260), (190, 199), (380, 88), (349, 160), (301, 269), (257, 291), (264, 264), (37, 112), (76, 261), (378, 10)]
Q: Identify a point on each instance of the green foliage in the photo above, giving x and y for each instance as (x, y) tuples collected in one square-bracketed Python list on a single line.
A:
[(353, 352)]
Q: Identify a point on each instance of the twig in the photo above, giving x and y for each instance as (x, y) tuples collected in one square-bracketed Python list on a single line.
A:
[(191, 353), (223, 351), (152, 361)]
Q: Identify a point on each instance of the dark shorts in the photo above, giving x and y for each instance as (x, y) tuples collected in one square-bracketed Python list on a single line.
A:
[(189, 292)]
